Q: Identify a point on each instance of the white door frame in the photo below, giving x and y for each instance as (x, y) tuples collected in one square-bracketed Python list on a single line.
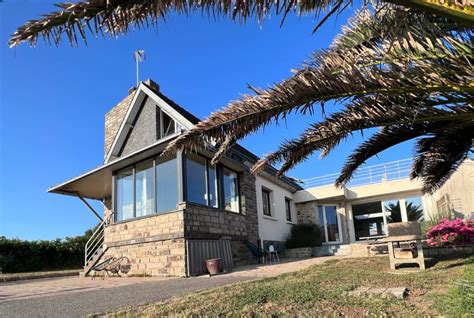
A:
[(324, 223)]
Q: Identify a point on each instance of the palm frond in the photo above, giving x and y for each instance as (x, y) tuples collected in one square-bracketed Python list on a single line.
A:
[(365, 113), (441, 152), (114, 17), (421, 58)]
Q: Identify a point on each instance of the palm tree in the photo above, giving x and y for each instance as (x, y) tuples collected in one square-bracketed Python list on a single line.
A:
[(116, 16), (404, 70)]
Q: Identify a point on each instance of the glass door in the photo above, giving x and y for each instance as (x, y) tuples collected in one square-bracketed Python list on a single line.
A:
[(329, 223)]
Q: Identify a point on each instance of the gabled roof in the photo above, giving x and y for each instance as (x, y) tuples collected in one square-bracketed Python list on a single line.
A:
[(148, 89)]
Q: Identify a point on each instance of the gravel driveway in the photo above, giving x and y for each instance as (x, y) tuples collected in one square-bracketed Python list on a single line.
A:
[(76, 297)]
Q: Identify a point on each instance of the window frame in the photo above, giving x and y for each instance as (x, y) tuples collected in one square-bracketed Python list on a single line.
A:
[(219, 171), (288, 210), (132, 167), (269, 202)]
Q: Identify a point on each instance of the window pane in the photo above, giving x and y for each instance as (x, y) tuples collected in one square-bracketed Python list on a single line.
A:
[(144, 194), (414, 208), (231, 191), (124, 198), (331, 223), (168, 125), (167, 185), (213, 186), (266, 202), (392, 210), (288, 209), (321, 222), (368, 219), (196, 179)]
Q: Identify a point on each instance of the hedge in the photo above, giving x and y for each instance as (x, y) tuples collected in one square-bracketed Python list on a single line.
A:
[(304, 235), (17, 256)]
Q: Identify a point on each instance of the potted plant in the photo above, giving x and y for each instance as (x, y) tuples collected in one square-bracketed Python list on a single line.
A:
[(213, 266)]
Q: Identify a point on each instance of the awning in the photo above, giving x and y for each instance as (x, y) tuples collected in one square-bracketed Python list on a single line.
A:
[(97, 183)]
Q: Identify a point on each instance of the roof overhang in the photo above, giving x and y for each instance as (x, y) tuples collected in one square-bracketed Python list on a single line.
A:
[(97, 183)]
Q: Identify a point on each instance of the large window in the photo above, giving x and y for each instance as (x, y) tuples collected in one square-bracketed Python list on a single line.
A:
[(146, 188), (196, 184), (371, 219), (266, 202), (214, 186), (166, 185), (124, 194)]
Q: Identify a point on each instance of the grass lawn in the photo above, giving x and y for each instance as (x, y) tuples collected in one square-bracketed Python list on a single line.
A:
[(322, 290)]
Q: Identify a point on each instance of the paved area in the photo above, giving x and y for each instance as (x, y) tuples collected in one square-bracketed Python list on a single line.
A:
[(76, 297)]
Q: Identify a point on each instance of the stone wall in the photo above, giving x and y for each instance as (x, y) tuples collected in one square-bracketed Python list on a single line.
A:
[(154, 244), (302, 252), (307, 212), (113, 121)]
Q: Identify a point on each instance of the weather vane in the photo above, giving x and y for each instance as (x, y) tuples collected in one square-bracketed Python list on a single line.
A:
[(139, 56)]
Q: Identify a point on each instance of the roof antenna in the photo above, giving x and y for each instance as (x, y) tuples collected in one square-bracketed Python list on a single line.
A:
[(139, 56)]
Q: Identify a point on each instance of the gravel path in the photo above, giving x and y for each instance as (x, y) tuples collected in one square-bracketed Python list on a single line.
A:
[(76, 297)]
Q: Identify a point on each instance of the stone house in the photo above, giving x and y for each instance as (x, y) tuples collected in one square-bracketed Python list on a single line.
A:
[(167, 215)]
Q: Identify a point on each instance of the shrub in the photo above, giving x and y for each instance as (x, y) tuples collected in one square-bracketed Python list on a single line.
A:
[(18, 256), (454, 232), (304, 235)]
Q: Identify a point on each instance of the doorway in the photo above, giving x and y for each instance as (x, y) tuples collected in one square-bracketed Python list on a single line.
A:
[(329, 224)]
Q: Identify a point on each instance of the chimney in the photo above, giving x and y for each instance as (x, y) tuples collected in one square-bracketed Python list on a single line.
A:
[(131, 90), (152, 85)]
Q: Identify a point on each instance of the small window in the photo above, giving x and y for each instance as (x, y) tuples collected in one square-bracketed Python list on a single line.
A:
[(266, 202), (231, 190), (288, 209), (165, 125)]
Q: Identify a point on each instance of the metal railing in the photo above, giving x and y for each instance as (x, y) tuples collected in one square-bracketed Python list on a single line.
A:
[(389, 171), (96, 241)]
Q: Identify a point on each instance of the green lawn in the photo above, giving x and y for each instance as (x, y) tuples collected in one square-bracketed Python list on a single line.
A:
[(322, 290)]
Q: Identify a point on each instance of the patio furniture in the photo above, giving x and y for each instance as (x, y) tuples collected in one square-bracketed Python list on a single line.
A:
[(273, 254), (112, 267), (404, 244), (256, 252)]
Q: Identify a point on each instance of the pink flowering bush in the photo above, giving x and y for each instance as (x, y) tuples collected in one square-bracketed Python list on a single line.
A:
[(451, 232)]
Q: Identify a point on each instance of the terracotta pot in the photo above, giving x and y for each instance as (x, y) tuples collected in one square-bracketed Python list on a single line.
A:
[(213, 266)]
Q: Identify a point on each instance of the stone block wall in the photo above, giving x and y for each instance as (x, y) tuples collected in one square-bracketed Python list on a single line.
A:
[(114, 119), (302, 252), (154, 244), (306, 212)]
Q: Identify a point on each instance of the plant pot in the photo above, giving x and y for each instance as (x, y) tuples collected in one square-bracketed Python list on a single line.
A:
[(213, 266)]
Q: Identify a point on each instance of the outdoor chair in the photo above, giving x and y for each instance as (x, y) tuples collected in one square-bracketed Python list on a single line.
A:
[(256, 252)]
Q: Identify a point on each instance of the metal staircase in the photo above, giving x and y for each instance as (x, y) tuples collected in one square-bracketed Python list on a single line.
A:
[(95, 247)]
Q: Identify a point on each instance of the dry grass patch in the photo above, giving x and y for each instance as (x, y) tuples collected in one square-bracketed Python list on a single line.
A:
[(320, 289)]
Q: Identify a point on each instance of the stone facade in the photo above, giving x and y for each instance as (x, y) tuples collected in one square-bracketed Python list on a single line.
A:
[(114, 119), (154, 244), (307, 212), (302, 252)]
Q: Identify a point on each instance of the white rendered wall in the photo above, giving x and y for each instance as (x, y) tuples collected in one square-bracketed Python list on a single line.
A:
[(276, 227)]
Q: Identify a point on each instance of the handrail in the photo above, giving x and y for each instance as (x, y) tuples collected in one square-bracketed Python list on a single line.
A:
[(96, 240), (389, 171)]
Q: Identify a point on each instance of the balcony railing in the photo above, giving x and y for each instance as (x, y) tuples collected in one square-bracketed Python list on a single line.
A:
[(390, 171)]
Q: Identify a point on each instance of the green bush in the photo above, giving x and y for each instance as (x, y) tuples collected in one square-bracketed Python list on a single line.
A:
[(17, 256), (304, 235)]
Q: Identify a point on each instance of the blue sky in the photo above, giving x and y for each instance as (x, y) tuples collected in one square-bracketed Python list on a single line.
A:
[(53, 101)]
